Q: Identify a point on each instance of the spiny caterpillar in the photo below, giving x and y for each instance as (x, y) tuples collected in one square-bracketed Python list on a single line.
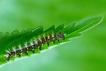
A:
[(32, 41), (35, 44)]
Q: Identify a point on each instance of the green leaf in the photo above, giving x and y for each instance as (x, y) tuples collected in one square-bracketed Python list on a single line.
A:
[(84, 25), (59, 28), (37, 31), (70, 28), (50, 29), (8, 40)]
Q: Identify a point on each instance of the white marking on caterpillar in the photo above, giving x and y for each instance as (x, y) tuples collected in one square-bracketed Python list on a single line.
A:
[(7, 51), (14, 49), (26, 44), (6, 56), (31, 43)]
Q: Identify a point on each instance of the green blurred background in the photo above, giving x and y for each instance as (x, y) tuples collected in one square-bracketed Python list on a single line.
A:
[(86, 53)]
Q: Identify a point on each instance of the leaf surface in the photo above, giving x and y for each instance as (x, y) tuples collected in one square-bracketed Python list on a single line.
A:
[(9, 40)]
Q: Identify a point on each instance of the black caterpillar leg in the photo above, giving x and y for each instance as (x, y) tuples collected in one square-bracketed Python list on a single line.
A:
[(26, 53), (40, 48), (19, 55), (33, 51), (54, 42), (48, 43), (8, 58)]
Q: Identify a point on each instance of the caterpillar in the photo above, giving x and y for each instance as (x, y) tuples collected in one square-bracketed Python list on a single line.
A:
[(32, 41), (36, 44)]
